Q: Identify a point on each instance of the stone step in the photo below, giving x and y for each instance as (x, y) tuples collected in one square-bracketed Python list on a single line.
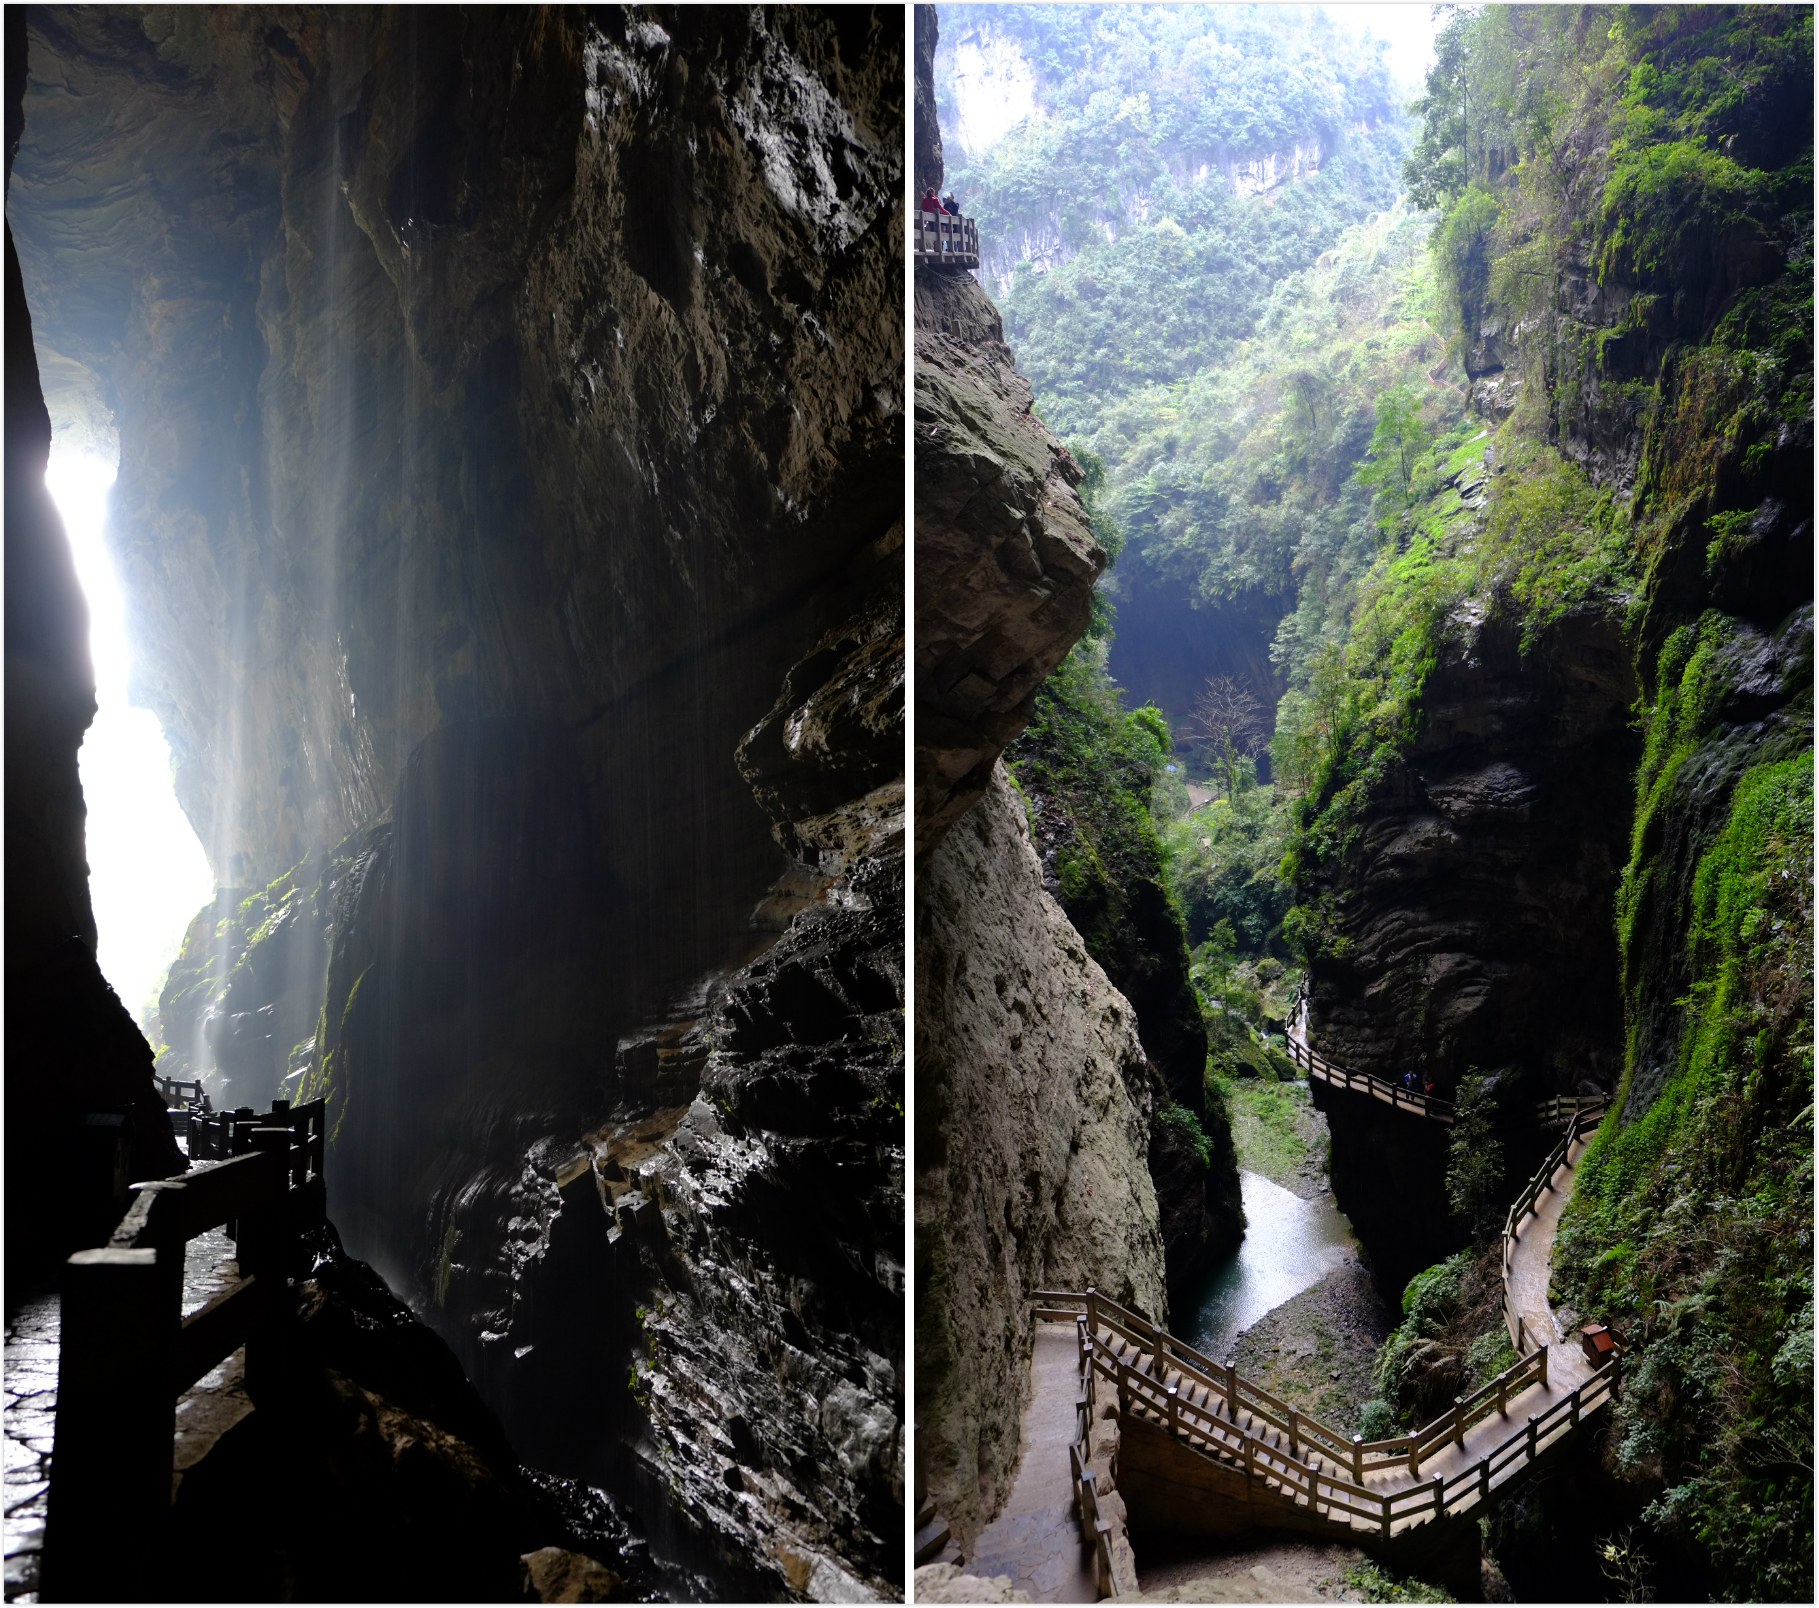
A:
[(931, 1538)]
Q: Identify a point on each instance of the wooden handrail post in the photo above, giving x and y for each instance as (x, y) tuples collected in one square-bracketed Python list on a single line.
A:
[(1124, 1389), (1544, 1350), (1386, 1517), (1503, 1384), (110, 1478), (1080, 1341), (1250, 1464), (1439, 1496), (1532, 1435), (1414, 1454), (1357, 1459), (1294, 1435), (1174, 1412), (1572, 1410), (1092, 1311), (1459, 1422), (1484, 1480), (1231, 1392)]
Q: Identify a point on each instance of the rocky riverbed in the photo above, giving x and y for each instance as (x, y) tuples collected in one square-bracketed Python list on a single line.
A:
[(1316, 1351)]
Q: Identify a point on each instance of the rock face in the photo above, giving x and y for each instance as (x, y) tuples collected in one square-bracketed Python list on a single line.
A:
[(511, 432), (1476, 918), (1476, 921), (83, 1117), (1114, 891), (370, 1470), (1005, 557), (1033, 1100)]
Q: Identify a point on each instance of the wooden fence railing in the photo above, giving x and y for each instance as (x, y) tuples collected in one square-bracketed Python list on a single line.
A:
[(1581, 1123), (1094, 1527), (216, 1135), (187, 1090), (942, 238), (1384, 1089), (1139, 1357), (1563, 1108), (126, 1352)]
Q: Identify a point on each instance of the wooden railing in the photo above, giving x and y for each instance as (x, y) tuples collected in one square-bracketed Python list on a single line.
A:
[(1094, 1527), (944, 239), (1563, 1108), (216, 1135), (1384, 1089), (1582, 1122), (1224, 1426), (126, 1352), (188, 1090)]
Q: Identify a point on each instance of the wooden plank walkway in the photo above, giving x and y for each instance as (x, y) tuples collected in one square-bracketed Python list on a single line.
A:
[(1387, 1090), (1196, 1432)]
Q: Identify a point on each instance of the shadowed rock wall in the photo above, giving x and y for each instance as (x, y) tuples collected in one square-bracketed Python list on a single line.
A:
[(83, 1117), (510, 417)]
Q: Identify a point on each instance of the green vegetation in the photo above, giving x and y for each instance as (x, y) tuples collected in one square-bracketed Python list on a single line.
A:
[(1451, 1340), (1271, 1127), (1378, 1584), (1178, 1116), (1085, 767), (1691, 1229), (1306, 447), (1474, 1172), (1125, 173)]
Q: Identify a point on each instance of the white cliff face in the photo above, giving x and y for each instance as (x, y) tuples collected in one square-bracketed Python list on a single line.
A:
[(1258, 175), (988, 88)]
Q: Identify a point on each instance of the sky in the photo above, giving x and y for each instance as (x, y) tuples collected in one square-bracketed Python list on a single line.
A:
[(1410, 30), (148, 875)]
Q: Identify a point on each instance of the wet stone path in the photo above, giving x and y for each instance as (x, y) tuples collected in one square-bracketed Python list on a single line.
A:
[(1035, 1540), (28, 1406)]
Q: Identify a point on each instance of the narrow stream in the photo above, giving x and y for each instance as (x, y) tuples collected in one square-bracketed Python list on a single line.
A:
[(1290, 1244)]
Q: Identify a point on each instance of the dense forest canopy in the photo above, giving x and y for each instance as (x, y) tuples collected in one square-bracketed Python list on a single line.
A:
[(1540, 353)]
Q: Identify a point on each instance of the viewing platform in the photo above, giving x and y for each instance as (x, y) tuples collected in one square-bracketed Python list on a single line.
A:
[(943, 240)]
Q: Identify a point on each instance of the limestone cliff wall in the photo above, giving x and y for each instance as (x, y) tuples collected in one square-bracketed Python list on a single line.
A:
[(1005, 555), (1033, 1100), (511, 426)]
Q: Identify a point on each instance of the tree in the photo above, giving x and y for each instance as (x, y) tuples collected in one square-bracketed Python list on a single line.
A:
[(1230, 719), (1475, 1168), (1397, 442)]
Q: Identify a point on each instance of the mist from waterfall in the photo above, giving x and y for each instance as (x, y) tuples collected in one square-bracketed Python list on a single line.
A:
[(148, 875)]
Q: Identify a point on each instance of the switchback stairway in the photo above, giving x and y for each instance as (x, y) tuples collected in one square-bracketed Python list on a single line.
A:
[(1204, 1450)]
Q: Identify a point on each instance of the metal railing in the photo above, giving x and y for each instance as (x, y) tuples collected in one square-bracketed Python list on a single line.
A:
[(126, 1352)]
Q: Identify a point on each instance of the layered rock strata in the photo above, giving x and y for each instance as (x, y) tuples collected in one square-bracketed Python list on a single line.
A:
[(1033, 1100), (1005, 555), (1475, 916)]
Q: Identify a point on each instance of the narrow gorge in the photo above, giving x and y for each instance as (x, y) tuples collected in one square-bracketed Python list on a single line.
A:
[(1382, 577), (510, 428)]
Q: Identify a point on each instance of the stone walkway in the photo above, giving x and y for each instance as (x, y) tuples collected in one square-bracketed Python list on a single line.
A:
[(1036, 1539), (1530, 1269), (28, 1407)]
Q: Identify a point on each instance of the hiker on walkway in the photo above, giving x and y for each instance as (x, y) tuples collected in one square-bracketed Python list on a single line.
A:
[(930, 201), (951, 207)]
